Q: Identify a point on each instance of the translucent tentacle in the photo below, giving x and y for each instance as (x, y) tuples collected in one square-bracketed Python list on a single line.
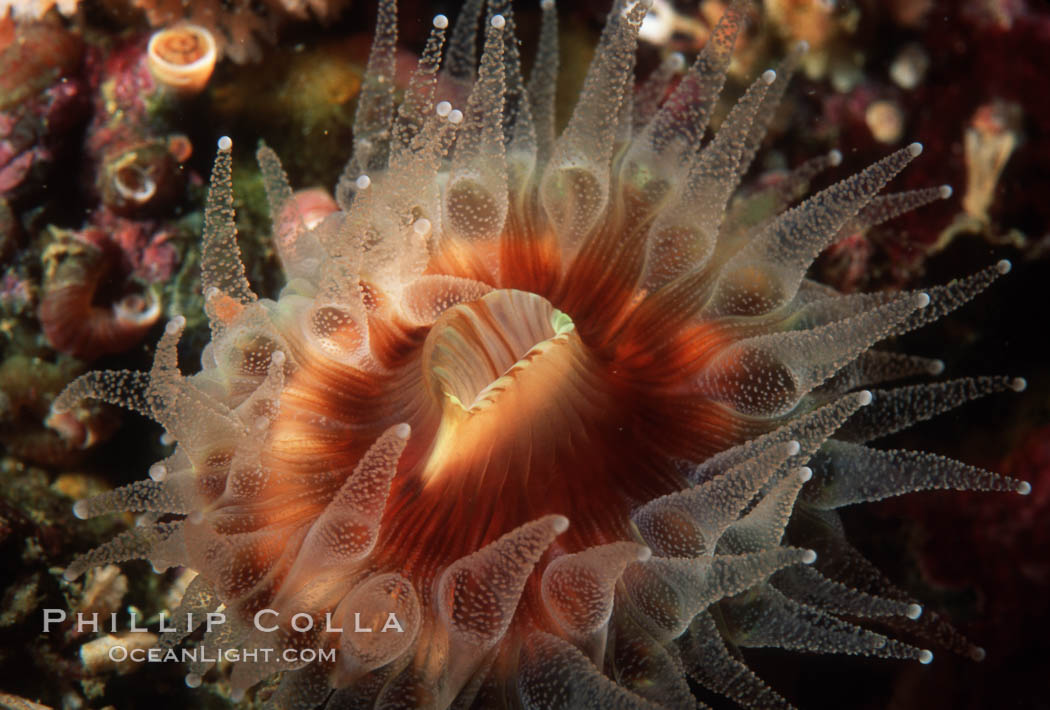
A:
[(346, 531), (850, 473), (652, 91), (767, 375), (678, 127), (764, 114), (767, 271), (668, 592), (649, 668), (808, 586), (684, 234), (765, 617), (690, 523), (709, 661), (748, 211), (763, 526), (945, 299), (874, 367), (578, 591), (124, 388), (899, 408), (134, 544), (475, 199), (417, 108), (885, 207), (575, 185), (543, 82), (375, 106), (555, 675), (197, 601), (478, 594), (223, 282), (299, 249), (811, 430), (140, 496), (459, 65)]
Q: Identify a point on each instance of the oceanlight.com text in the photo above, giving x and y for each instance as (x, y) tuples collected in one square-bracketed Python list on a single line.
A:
[(119, 654)]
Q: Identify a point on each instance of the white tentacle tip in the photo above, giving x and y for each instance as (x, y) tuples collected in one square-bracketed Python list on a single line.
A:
[(935, 367), (864, 398), (809, 557), (835, 157), (1004, 266), (676, 62), (70, 574), (913, 612), (443, 108), (922, 299), (644, 553), (402, 430), (915, 149), (1024, 488), (946, 191), (560, 524), (277, 357), (769, 76), (80, 510), (225, 144), (440, 21), (1018, 384), (175, 325), (979, 654), (805, 473), (793, 447), (455, 116), (498, 22), (925, 656), (193, 680), (158, 472), (363, 182)]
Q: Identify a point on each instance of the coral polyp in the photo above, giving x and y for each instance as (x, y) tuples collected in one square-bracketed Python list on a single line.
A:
[(182, 57), (560, 417)]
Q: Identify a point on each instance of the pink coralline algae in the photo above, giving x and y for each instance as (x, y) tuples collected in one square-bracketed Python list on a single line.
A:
[(40, 101)]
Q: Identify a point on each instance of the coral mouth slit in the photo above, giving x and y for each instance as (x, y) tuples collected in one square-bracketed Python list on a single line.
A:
[(565, 407)]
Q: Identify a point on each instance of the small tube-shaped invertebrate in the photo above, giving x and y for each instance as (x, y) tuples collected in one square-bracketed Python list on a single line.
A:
[(76, 317)]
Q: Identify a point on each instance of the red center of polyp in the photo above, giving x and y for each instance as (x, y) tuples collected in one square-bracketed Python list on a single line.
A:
[(518, 410)]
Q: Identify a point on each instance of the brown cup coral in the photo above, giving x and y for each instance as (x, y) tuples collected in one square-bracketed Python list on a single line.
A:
[(548, 414), (182, 57)]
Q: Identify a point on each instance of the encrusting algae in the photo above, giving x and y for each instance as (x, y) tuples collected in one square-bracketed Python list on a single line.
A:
[(564, 405)]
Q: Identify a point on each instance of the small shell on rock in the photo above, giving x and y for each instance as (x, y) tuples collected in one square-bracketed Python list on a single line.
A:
[(182, 57), (142, 178)]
